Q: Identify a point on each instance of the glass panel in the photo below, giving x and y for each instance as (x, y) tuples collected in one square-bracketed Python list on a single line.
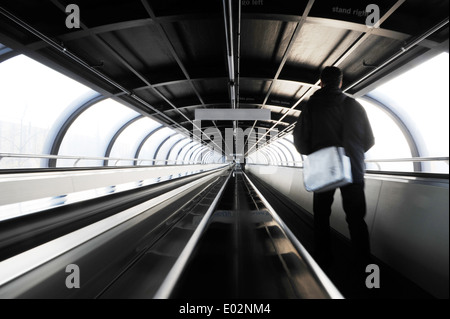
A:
[(173, 156), (390, 142), (275, 157), (197, 155), (258, 158), (291, 147), (286, 154), (182, 157), (148, 151), (422, 94), (32, 98), (88, 127), (128, 142), (163, 152), (189, 155), (275, 152)]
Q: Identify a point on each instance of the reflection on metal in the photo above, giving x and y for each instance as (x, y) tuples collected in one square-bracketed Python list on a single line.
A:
[(330, 288), (18, 265), (171, 279)]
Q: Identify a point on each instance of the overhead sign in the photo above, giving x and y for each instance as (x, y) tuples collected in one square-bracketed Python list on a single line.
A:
[(232, 114)]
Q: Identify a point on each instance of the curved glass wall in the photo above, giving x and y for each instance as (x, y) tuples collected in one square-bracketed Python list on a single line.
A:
[(281, 152), (153, 144), (162, 156), (34, 103), (128, 142), (92, 131), (390, 142), (176, 150), (288, 159), (421, 97), (32, 98), (184, 152), (288, 143)]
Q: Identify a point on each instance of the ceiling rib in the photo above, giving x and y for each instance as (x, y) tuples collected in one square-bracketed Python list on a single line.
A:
[(134, 71), (294, 37), (169, 45), (285, 56), (238, 56), (228, 21), (326, 22), (174, 54), (402, 51)]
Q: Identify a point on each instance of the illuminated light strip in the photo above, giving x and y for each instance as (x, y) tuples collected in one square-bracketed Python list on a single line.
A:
[(172, 277), (20, 264), (323, 278)]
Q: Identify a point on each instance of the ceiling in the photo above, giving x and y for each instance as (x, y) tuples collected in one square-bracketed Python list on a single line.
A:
[(167, 58)]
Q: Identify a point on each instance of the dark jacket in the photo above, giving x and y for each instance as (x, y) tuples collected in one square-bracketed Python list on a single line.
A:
[(332, 118)]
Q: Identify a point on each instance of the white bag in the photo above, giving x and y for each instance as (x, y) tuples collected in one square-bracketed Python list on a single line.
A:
[(326, 169)]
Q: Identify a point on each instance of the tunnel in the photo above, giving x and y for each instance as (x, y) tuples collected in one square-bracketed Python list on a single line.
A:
[(147, 149)]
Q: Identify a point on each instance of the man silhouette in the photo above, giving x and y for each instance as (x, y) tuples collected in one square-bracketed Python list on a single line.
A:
[(331, 118)]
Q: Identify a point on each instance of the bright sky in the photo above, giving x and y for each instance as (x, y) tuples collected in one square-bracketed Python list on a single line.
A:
[(423, 94), (33, 93)]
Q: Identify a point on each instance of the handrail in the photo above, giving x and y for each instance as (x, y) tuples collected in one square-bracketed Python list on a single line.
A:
[(89, 158), (384, 160), (141, 160), (411, 159)]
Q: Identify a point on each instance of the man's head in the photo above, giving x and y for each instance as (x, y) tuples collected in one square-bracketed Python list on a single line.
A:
[(331, 77)]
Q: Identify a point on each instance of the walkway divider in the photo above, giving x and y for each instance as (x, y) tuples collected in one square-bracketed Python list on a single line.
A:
[(174, 274)]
